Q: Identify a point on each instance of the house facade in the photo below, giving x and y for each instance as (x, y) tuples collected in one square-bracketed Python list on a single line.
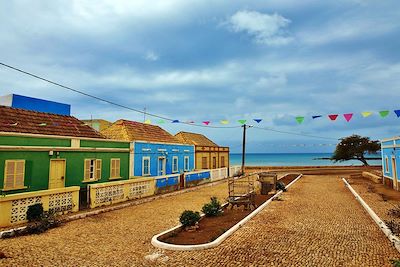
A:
[(155, 151), (44, 151), (390, 149), (208, 155)]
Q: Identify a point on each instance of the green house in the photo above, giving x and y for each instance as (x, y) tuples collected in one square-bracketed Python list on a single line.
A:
[(40, 151)]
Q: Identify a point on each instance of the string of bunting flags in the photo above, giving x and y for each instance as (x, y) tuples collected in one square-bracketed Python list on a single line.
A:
[(299, 119)]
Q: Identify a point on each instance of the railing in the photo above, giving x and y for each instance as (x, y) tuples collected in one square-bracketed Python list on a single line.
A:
[(218, 174), (234, 170), (13, 207), (119, 191)]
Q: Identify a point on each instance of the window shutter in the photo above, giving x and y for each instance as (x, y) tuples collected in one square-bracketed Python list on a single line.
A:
[(117, 168), (19, 173), (9, 174), (87, 169), (98, 169)]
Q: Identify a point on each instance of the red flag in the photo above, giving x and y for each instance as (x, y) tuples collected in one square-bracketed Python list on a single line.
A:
[(333, 117), (206, 122), (348, 116)]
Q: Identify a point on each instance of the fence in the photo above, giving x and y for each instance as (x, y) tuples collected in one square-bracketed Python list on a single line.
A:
[(218, 174), (166, 183), (13, 207), (119, 191), (234, 170)]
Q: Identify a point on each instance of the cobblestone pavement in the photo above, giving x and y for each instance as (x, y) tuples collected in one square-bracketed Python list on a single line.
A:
[(318, 223)]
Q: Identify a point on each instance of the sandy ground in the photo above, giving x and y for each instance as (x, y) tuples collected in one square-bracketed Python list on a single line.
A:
[(318, 223)]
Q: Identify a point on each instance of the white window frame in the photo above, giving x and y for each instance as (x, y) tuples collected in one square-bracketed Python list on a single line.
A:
[(95, 169), (164, 167), (15, 186), (175, 167), (149, 172), (117, 170), (386, 164), (186, 167)]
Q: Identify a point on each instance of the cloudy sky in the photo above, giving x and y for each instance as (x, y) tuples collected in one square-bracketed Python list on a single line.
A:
[(214, 60)]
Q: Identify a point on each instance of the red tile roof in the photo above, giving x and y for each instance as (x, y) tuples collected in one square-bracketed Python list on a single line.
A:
[(195, 139), (137, 131), (32, 122)]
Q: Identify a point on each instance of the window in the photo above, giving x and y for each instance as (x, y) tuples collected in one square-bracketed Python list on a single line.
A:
[(145, 166), (186, 163), (174, 164), (214, 160), (92, 169), (222, 161), (14, 174), (386, 164), (115, 167), (204, 163)]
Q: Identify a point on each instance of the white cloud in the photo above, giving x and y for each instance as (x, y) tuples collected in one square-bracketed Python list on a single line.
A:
[(264, 28), (151, 56)]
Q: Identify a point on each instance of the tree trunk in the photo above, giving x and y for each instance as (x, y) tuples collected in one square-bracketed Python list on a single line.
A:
[(363, 160)]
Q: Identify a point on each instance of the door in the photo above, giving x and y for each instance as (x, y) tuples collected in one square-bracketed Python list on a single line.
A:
[(182, 181), (57, 173), (161, 166), (394, 174)]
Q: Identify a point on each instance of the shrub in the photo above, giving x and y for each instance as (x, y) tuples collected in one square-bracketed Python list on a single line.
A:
[(34, 212), (213, 208), (47, 221), (395, 263), (281, 186), (189, 218), (395, 212), (393, 226)]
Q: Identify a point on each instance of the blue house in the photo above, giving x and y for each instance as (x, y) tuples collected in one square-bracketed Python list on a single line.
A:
[(154, 151), (391, 161)]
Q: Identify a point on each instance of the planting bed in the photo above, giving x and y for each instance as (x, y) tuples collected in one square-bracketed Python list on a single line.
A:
[(210, 228)]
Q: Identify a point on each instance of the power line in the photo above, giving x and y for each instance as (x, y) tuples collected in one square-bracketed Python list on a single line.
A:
[(293, 133), (108, 101)]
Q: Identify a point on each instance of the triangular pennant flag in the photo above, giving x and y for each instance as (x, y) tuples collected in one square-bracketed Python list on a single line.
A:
[(147, 121), (397, 112), (299, 119), (333, 116), (258, 120), (366, 114), (242, 121), (175, 121), (190, 122), (384, 113), (348, 116), (224, 122), (42, 124), (316, 116), (206, 122), (161, 121)]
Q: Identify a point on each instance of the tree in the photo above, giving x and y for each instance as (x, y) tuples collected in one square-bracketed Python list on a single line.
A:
[(355, 147)]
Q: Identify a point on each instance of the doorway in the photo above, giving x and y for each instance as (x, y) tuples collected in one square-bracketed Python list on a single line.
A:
[(161, 165), (57, 173), (394, 174)]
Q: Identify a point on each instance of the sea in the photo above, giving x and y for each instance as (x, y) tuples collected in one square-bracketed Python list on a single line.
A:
[(294, 159)]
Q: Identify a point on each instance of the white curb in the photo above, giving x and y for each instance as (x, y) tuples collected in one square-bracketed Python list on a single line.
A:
[(155, 242), (386, 230)]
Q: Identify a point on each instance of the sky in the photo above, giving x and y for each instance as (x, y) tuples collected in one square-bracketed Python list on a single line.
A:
[(214, 60)]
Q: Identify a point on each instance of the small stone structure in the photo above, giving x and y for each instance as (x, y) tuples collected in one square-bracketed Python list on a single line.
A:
[(268, 182)]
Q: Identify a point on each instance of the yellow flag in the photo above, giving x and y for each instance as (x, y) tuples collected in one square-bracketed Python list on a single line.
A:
[(366, 114), (224, 122), (147, 121)]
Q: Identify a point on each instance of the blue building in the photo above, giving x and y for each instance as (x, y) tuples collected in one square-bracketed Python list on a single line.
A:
[(154, 151), (391, 161), (35, 104)]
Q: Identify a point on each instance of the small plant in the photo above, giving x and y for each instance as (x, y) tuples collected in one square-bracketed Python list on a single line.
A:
[(395, 263), (47, 221), (395, 212), (393, 226), (34, 212), (189, 218), (281, 186), (213, 208)]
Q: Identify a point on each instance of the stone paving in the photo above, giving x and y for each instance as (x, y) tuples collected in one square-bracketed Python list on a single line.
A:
[(318, 223)]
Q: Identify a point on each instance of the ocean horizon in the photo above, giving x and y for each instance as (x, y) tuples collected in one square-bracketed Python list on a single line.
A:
[(294, 159)]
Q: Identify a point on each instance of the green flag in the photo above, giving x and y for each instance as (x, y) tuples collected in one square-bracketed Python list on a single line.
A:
[(300, 119), (242, 121), (384, 113), (161, 121)]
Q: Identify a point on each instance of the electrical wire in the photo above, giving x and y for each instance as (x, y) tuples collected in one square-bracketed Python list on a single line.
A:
[(293, 133), (108, 101)]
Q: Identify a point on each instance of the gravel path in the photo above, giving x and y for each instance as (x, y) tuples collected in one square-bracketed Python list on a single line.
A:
[(318, 223)]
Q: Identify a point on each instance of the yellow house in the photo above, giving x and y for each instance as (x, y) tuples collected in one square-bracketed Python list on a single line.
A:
[(208, 154)]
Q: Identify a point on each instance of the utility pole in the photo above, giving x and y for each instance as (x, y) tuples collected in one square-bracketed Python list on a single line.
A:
[(244, 147)]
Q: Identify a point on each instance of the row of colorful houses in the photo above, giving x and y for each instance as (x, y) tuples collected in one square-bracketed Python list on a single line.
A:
[(390, 149), (54, 153)]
